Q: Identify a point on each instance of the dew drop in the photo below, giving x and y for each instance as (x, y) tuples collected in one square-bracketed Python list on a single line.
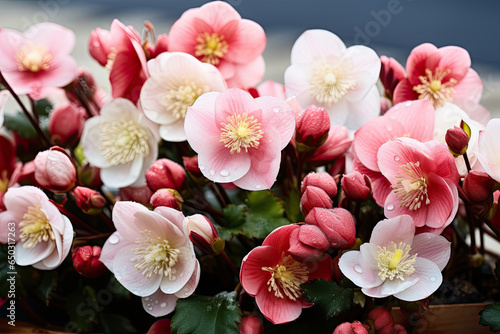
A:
[(212, 172), (132, 259), (146, 299), (390, 207), (96, 44), (156, 302), (150, 308), (163, 305), (258, 186), (224, 172), (433, 279), (113, 239), (358, 269), (202, 167), (148, 305), (276, 109), (389, 128), (408, 104), (397, 158)]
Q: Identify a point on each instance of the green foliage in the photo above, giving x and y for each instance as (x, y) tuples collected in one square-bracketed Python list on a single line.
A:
[(47, 285), (330, 298), (490, 316)]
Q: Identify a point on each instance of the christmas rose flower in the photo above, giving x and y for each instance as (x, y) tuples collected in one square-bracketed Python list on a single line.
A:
[(440, 75), (151, 256), (216, 34), (398, 262), (38, 58), (423, 178), (238, 139), (270, 274), (120, 142), (342, 80), (488, 152), (177, 80), (44, 235)]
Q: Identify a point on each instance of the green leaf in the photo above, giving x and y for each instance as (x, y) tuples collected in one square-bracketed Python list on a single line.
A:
[(206, 315), (265, 213), (19, 123), (47, 285), (490, 316), (292, 206), (234, 215), (114, 323), (83, 308), (330, 298)]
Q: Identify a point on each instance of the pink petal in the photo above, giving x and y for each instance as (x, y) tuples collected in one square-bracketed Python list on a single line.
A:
[(278, 310), (174, 216), (185, 30), (235, 101), (271, 88), (432, 247), (321, 268), (123, 218), (127, 76), (364, 110), (280, 238), (316, 45), (389, 287), (11, 42), (58, 39), (188, 289), (17, 200), (200, 119), (443, 202), (30, 256), (397, 229), (404, 92), (184, 269), (279, 115), (477, 113), (429, 279), (217, 14), (456, 59), (393, 208), (410, 114), (381, 187), (159, 304), (245, 75), (252, 277), (114, 244), (420, 58), (468, 91), (159, 226), (365, 69), (7, 229), (247, 44)]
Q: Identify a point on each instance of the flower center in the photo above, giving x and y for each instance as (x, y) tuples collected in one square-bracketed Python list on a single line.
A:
[(211, 47), (124, 140), (330, 83), (411, 186), (4, 181), (395, 262), (33, 58), (434, 89), (177, 100), (35, 227), (240, 131), (155, 256), (287, 277)]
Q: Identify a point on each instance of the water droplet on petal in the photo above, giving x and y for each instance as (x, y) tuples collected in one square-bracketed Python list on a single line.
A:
[(113, 239), (433, 279), (156, 302), (212, 172), (389, 128), (148, 305), (408, 104), (358, 269), (96, 44), (224, 172), (163, 305), (132, 259), (258, 186), (390, 207), (146, 299), (397, 158), (202, 167), (276, 109), (150, 308)]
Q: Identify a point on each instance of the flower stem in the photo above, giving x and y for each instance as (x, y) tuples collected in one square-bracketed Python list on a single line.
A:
[(467, 163)]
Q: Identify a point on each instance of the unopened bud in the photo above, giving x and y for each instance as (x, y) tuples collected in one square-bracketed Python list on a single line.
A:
[(350, 328), (314, 197), (391, 73), (54, 170), (203, 234), (312, 128), (191, 165), (321, 180), (167, 197), (337, 224), (458, 139), (337, 143), (165, 173), (86, 261), (66, 124), (356, 185), (382, 320), (479, 188), (308, 243), (251, 325), (88, 200)]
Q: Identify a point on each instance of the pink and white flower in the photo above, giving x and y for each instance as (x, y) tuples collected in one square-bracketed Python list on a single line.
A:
[(238, 139), (488, 152), (342, 80), (270, 274), (216, 34), (38, 58), (44, 235), (177, 80), (151, 256), (423, 178), (397, 262), (121, 143)]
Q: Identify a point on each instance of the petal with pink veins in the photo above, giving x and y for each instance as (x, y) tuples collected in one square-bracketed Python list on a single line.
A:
[(428, 277), (432, 247), (398, 229), (114, 244), (159, 304), (235, 101), (252, 277)]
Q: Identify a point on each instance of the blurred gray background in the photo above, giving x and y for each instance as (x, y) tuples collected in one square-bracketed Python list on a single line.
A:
[(390, 27)]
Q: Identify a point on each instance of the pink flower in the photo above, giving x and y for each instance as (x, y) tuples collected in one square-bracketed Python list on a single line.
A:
[(488, 152), (54, 170), (216, 34), (88, 200), (423, 179), (271, 88), (45, 236), (440, 75), (238, 139), (404, 119), (342, 80), (398, 262), (151, 256), (251, 325), (337, 144), (391, 73), (38, 58), (271, 275)]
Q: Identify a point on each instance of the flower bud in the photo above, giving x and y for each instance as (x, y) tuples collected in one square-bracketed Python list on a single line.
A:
[(165, 173), (251, 325), (99, 45), (90, 176), (337, 143), (191, 165), (88, 200), (458, 139), (382, 320), (356, 185), (314, 197), (337, 224), (312, 128), (160, 46), (203, 234), (83, 85), (136, 194), (321, 180), (66, 124), (347, 328), (160, 327), (167, 197), (86, 261), (479, 188), (54, 170), (391, 73), (399, 329), (307, 243)]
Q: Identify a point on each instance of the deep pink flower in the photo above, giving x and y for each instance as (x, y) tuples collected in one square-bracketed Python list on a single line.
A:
[(423, 179), (9, 169), (440, 75), (216, 34), (165, 173), (391, 73), (271, 275), (398, 262), (38, 58), (321, 180), (238, 139), (347, 328), (86, 261)]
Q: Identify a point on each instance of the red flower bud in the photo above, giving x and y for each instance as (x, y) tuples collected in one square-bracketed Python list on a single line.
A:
[(99, 45), (167, 197), (399, 329), (160, 327), (347, 328), (356, 185), (88, 200), (161, 45), (457, 140), (479, 188), (311, 128), (136, 194), (314, 197), (54, 170), (391, 73), (321, 180), (165, 173), (66, 124), (191, 165), (337, 224), (86, 261), (308, 243), (203, 234), (382, 320), (251, 325)]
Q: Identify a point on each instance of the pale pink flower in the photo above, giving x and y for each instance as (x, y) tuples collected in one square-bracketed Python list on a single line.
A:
[(45, 236), (38, 58), (151, 256), (177, 80), (216, 34), (410, 119), (342, 80), (121, 143), (271, 88), (397, 262), (423, 178), (270, 274), (238, 139), (54, 170), (488, 152), (440, 75)]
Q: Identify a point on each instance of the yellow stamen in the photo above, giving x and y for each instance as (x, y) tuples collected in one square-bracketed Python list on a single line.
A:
[(211, 48), (433, 89), (287, 277), (240, 131), (33, 58), (35, 227)]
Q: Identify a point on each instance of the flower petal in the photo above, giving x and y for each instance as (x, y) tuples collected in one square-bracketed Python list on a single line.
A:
[(432, 247), (122, 175), (252, 277), (397, 229), (316, 45), (30, 256), (188, 289), (277, 114), (184, 268), (410, 114), (235, 101), (159, 304), (429, 279), (112, 246), (364, 110)]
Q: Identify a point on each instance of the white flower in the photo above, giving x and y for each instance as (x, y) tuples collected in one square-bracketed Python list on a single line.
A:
[(488, 151), (120, 142), (177, 80)]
